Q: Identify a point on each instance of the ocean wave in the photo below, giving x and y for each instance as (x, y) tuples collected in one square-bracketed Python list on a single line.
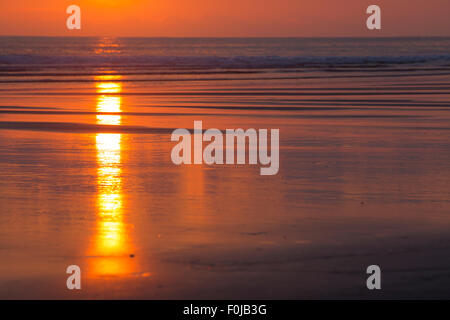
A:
[(217, 62)]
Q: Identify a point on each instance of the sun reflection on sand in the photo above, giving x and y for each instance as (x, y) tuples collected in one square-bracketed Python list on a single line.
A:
[(112, 247)]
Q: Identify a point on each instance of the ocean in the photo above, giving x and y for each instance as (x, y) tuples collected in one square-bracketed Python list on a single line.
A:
[(86, 176)]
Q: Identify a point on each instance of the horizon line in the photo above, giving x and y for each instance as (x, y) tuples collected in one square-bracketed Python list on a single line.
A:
[(228, 37)]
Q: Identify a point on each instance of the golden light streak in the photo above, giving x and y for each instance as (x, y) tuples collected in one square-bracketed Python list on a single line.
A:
[(111, 249)]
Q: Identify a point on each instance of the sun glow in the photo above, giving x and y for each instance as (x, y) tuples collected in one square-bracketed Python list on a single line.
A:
[(109, 87)]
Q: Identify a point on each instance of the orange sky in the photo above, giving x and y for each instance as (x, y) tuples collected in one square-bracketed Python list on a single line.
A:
[(214, 18)]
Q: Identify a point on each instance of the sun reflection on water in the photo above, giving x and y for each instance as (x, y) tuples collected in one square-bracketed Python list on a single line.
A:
[(112, 247)]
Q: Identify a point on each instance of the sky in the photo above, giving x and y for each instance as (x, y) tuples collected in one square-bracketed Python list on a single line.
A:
[(226, 18)]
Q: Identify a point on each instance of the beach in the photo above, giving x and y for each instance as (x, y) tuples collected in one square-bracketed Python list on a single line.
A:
[(86, 176)]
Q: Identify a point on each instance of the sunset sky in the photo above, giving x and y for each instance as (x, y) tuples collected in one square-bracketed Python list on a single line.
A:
[(213, 18)]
